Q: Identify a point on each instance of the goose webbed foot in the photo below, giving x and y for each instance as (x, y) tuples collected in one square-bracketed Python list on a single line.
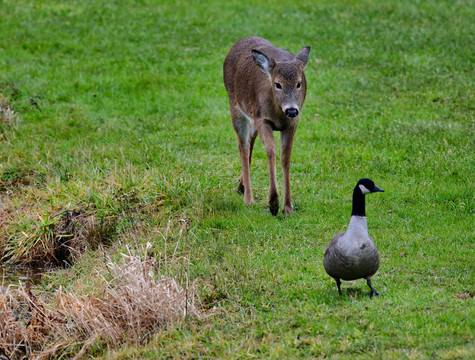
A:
[(373, 292)]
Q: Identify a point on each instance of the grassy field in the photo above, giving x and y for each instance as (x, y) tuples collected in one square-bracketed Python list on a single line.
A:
[(121, 116)]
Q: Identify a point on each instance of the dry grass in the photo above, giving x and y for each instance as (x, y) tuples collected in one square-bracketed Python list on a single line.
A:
[(7, 115), (135, 303), (8, 119), (23, 323)]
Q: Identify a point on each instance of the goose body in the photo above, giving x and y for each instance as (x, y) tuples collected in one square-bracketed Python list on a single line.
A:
[(352, 254)]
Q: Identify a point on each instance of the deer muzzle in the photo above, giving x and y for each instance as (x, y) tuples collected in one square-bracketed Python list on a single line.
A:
[(291, 112)]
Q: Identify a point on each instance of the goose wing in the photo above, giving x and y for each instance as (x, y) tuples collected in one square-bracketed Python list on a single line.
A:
[(332, 256)]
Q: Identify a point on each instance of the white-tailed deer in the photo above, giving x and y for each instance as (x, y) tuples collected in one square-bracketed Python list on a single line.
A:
[(266, 88)]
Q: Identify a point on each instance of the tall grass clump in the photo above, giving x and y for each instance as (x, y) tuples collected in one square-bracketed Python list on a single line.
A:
[(52, 240), (136, 302)]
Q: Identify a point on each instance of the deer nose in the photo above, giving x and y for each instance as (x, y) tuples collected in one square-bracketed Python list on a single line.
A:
[(291, 112)]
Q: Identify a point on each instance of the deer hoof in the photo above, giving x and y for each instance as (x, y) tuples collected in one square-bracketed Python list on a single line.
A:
[(287, 210), (274, 203), (240, 188), (274, 210)]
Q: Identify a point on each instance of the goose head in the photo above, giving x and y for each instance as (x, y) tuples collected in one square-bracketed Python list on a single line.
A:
[(367, 186)]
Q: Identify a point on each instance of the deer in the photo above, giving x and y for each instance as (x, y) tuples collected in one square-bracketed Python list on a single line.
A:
[(266, 87)]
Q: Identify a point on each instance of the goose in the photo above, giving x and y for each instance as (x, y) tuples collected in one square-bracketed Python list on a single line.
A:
[(352, 254)]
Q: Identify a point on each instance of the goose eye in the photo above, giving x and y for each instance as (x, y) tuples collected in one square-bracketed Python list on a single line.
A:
[(278, 86), (298, 85)]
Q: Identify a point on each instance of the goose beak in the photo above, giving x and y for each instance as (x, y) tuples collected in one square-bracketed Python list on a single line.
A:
[(377, 189)]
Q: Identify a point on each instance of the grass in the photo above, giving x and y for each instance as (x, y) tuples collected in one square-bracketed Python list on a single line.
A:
[(119, 111)]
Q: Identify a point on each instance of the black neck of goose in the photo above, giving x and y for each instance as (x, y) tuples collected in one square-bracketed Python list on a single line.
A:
[(358, 203)]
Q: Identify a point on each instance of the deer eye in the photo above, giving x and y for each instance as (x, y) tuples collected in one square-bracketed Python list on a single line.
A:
[(278, 86), (298, 85)]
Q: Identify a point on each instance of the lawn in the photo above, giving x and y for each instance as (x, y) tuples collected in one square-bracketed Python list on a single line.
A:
[(121, 116)]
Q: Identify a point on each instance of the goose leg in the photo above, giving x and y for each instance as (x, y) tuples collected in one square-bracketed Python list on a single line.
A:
[(338, 283), (373, 292)]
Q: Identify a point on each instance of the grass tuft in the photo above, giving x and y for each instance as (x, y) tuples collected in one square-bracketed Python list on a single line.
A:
[(55, 240)]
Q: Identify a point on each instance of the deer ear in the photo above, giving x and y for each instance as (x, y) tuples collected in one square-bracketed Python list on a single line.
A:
[(263, 61), (302, 55)]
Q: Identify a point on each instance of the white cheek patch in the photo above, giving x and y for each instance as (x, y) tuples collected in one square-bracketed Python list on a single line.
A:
[(363, 189)]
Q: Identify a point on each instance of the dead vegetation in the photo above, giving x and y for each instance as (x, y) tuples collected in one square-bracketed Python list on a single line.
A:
[(8, 118), (136, 302), (7, 115), (129, 300)]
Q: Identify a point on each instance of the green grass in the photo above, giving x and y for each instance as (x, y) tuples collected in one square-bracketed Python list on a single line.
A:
[(121, 109)]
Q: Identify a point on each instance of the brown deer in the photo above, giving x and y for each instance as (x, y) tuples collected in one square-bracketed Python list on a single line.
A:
[(266, 88)]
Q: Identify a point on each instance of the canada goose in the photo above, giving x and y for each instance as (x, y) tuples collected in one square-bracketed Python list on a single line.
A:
[(352, 254)]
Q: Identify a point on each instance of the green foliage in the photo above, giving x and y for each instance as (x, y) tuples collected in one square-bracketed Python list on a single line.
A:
[(122, 111)]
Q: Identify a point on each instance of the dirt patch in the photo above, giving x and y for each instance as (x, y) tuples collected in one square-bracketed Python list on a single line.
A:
[(75, 232)]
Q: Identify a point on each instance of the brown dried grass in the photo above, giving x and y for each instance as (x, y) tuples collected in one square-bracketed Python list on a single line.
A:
[(8, 120), (7, 115), (135, 303), (23, 323)]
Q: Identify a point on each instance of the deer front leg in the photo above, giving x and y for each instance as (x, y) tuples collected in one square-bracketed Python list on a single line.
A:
[(286, 144), (252, 139), (242, 126), (267, 137)]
